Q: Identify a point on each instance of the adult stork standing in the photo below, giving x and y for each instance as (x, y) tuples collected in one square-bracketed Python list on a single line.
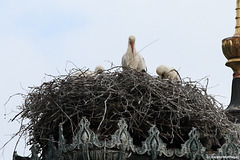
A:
[(165, 72), (132, 59)]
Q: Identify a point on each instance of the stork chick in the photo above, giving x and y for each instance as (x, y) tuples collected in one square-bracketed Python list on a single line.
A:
[(98, 69), (165, 72), (132, 59)]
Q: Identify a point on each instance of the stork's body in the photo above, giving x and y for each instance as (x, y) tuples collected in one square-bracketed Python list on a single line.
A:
[(165, 72), (132, 59)]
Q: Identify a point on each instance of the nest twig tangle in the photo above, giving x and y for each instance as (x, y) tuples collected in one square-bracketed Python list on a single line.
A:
[(143, 100)]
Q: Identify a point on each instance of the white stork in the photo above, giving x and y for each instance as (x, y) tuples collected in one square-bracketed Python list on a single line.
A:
[(132, 59), (165, 72), (98, 69)]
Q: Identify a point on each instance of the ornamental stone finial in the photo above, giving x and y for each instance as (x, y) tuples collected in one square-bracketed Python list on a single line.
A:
[(231, 46), (231, 50)]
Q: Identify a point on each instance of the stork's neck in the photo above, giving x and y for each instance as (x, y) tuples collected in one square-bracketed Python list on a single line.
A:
[(129, 50)]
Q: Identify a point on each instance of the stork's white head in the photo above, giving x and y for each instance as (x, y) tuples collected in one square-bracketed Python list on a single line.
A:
[(165, 72), (99, 69), (162, 71), (131, 42)]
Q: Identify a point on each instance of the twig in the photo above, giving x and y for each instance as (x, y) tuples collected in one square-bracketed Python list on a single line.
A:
[(105, 110), (148, 45)]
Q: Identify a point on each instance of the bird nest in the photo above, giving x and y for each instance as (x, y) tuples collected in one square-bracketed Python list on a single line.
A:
[(143, 100)]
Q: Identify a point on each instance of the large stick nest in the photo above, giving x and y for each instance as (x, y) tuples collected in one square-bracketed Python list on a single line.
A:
[(143, 100)]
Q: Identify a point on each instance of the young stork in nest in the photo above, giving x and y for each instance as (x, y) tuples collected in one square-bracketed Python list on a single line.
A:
[(99, 69), (132, 59), (165, 72)]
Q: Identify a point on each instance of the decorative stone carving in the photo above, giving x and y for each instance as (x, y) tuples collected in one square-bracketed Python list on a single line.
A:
[(85, 139), (86, 146), (192, 148), (154, 145), (85, 136), (122, 140), (229, 148)]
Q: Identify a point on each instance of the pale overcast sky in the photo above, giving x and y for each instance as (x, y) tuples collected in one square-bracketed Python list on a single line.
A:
[(40, 37)]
